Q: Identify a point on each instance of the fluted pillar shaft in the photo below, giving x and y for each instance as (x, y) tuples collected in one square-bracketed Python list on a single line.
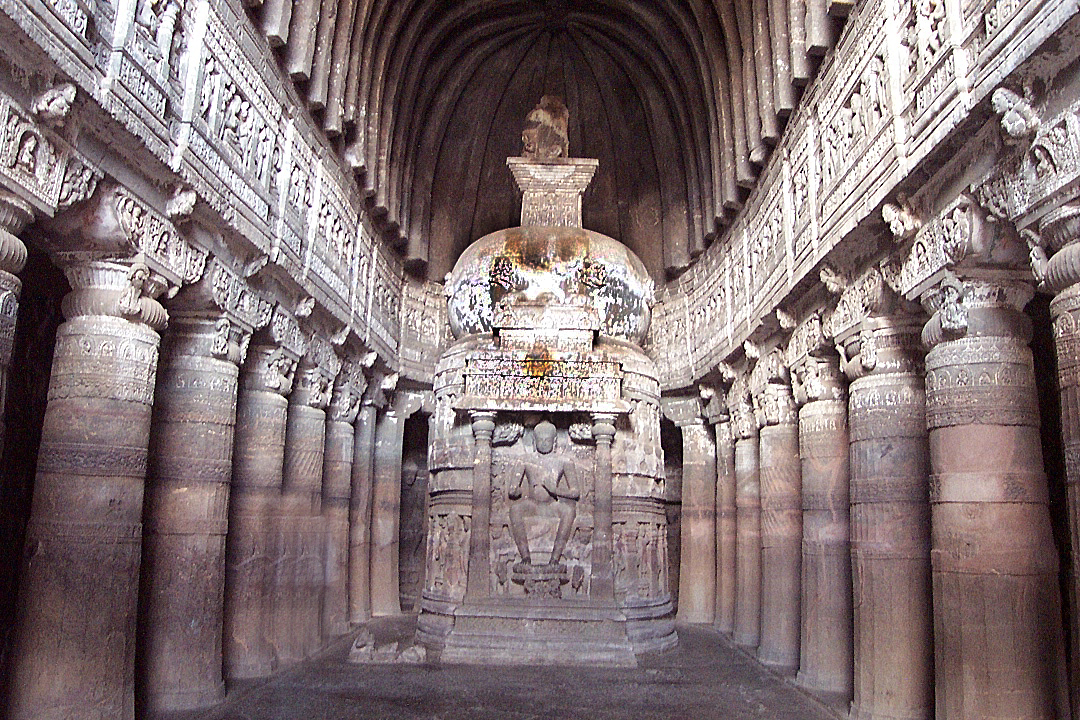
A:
[(75, 628), (999, 650), (337, 492), (297, 583), (697, 577), (726, 534), (360, 514), (890, 524), (386, 508), (825, 658), (187, 501), (258, 459), (781, 523)]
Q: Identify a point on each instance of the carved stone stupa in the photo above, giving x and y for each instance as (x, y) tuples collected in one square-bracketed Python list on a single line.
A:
[(548, 537)]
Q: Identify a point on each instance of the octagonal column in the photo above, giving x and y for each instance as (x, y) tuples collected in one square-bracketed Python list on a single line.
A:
[(726, 533), (337, 492), (297, 582), (360, 509), (386, 505), (187, 491), (781, 513), (75, 627), (747, 631), (258, 459), (998, 645), (697, 553)]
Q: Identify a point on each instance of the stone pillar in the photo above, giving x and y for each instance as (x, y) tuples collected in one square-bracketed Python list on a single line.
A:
[(337, 493), (298, 578), (725, 527), (477, 583), (258, 459), (781, 513), (697, 577), (75, 627), (602, 585), (187, 491), (386, 504), (1060, 229), (747, 630), (15, 213), (998, 646), (890, 521), (360, 511), (825, 657)]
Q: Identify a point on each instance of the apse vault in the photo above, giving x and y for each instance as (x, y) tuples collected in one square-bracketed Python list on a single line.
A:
[(680, 101)]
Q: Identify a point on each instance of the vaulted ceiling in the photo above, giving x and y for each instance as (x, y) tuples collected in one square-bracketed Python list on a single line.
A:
[(679, 99)]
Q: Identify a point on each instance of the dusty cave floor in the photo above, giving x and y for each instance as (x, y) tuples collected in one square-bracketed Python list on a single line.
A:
[(704, 678)]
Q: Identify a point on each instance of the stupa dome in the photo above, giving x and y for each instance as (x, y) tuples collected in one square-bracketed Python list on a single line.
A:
[(563, 265)]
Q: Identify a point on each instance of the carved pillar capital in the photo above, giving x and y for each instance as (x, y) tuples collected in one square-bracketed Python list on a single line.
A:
[(814, 363), (348, 392), (603, 427), (483, 425), (1059, 231), (740, 407), (770, 387), (978, 303), (15, 213), (315, 374), (103, 288)]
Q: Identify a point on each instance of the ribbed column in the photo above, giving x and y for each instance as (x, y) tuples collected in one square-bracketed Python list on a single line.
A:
[(75, 629), (890, 524), (825, 658), (360, 513), (297, 582), (998, 646), (337, 492), (726, 533), (385, 520), (1060, 230), (15, 213), (697, 576), (747, 630), (258, 459), (781, 514)]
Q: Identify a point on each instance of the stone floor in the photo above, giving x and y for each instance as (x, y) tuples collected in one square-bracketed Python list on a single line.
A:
[(704, 678)]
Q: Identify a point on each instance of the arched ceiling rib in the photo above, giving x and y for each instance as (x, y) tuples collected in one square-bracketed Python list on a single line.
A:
[(679, 99)]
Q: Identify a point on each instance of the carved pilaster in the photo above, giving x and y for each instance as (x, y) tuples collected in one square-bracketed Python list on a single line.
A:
[(80, 575), (483, 425), (187, 491), (726, 529), (603, 579), (820, 391), (781, 511), (258, 458)]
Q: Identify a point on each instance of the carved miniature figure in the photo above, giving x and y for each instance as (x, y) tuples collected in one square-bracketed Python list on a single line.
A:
[(543, 485)]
